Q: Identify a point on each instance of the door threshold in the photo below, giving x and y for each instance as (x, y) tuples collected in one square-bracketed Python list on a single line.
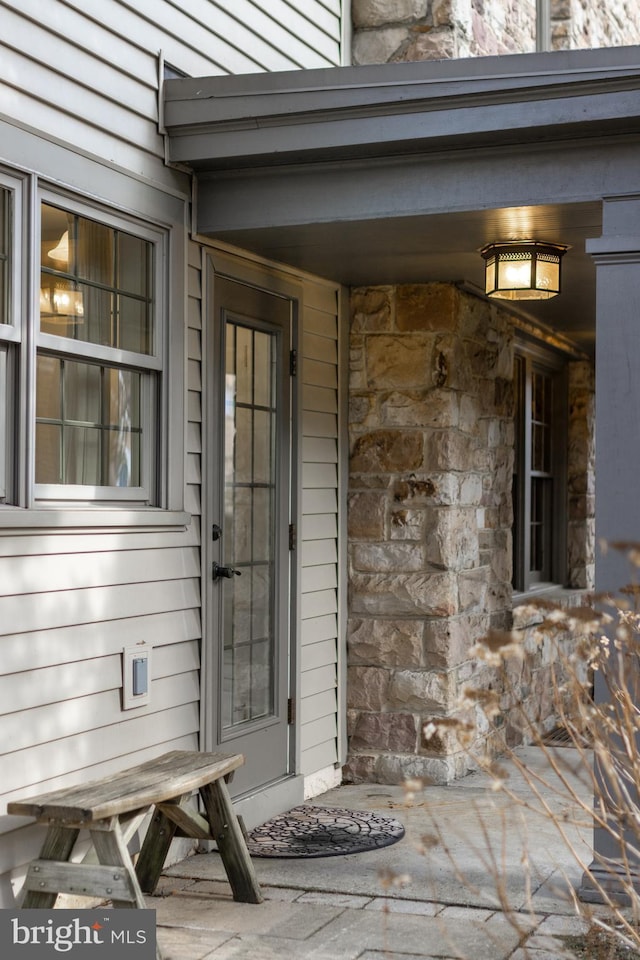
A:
[(268, 801)]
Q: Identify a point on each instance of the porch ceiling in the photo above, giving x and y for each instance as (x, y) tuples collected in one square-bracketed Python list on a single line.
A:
[(401, 172), (444, 247)]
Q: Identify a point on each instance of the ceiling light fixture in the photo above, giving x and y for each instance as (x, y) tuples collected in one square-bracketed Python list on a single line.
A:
[(522, 269)]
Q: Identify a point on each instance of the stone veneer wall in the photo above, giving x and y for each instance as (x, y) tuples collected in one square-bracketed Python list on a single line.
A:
[(430, 515), (407, 30), (431, 434), (576, 24)]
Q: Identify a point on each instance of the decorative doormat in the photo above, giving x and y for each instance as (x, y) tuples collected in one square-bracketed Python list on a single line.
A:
[(323, 832)]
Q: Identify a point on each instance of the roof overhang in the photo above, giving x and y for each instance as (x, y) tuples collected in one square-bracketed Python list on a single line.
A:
[(399, 172), (218, 123)]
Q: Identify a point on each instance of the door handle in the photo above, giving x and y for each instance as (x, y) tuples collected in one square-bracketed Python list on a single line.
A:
[(218, 571)]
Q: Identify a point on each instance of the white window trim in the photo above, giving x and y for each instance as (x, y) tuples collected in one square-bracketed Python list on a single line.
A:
[(86, 508)]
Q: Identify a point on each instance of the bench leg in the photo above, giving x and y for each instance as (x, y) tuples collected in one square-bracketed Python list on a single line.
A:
[(58, 845), (154, 851), (226, 831), (112, 852)]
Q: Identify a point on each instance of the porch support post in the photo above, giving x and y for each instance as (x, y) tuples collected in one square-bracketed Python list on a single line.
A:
[(617, 257)]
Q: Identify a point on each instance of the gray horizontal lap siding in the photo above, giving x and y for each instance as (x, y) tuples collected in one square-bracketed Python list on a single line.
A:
[(87, 74), (82, 80)]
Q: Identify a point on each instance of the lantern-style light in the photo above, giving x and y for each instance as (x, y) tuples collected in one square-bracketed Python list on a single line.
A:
[(523, 269)]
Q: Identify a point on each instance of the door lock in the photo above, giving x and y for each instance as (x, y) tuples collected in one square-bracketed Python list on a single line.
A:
[(218, 571)]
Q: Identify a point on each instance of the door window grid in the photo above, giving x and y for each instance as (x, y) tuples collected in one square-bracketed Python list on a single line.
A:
[(250, 472)]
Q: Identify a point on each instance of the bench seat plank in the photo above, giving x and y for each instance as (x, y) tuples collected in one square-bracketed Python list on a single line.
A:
[(177, 772)]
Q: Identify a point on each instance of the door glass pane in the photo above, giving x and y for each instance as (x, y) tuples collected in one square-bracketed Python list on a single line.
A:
[(262, 375), (248, 692), (244, 365)]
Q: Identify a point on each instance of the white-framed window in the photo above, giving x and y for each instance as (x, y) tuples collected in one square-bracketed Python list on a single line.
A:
[(539, 477), (100, 355)]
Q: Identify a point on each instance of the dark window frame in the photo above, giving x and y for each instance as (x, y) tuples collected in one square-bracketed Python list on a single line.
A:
[(539, 480)]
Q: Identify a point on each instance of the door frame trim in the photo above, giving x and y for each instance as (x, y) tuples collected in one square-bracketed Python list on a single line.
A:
[(242, 270)]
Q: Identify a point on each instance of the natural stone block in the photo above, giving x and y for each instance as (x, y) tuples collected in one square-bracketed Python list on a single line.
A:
[(371, 309), (437, 45), (444, 12), (398, 361), (387, 557), (392, 732), (473, 590), (367, 688), (427, 490), (391, 451), (406, 524), (447, 642), (431, 307), (471, 490), (360, 407), (470, 414), (366, 513), (449, 450), (378, 46), (388, 643), (442, 743), (369, 481), (436, 770), (377, 13), (475, 317), (451, 537), (403, 595), (421, 691), (360, 769), (420, 408)]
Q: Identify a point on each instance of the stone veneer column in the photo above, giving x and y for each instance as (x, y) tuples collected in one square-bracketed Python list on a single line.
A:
[(431, 434)]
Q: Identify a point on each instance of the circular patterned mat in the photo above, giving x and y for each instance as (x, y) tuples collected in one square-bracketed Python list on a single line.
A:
[(323, 832)]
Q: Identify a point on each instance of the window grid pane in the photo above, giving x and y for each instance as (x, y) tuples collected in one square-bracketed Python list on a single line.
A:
[(96, 283), (88, 424), (536, 463)]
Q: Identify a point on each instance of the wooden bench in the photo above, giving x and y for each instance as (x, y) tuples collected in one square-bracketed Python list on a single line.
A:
[(112, 809)]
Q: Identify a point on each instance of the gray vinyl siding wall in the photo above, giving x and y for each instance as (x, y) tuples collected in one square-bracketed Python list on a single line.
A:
[(87, 73), (79, 109), (320, 525)]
